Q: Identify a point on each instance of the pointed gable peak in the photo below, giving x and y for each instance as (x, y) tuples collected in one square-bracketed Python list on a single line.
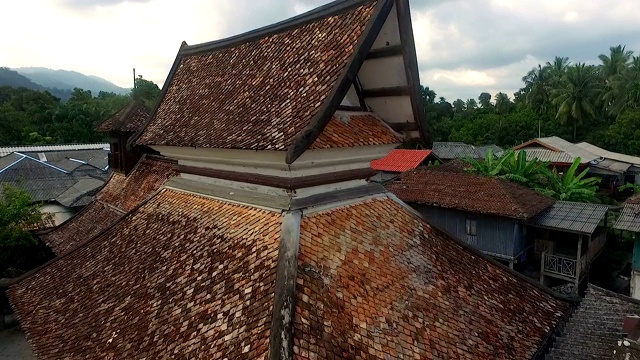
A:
[(277, 88)]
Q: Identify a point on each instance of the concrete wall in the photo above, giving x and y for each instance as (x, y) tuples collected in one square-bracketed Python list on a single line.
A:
[(60, 213), (635, 284)]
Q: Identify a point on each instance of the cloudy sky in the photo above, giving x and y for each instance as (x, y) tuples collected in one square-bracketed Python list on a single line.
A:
[(464, 46)]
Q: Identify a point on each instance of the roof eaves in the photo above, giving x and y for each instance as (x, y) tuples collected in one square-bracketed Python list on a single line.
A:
[(320, 120)]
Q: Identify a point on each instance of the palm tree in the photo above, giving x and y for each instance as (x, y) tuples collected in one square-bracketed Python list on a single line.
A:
[(623, 90), (458, 106), (503, 103), (558, 68), (471, 104), (576, 95), (616, 62)]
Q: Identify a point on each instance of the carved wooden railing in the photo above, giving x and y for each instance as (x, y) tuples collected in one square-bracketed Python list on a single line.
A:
[(559, 265)]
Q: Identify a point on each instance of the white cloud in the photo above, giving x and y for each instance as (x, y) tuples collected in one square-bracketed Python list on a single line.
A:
[(464, 46)]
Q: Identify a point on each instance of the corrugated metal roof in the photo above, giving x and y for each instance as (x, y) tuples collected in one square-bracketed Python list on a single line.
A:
[(629, 218), (560, 144), (547, 155), (8, 150), (482, 150), (571, 216), (609, 154), (612, 165), (455, 150), (400, 160)]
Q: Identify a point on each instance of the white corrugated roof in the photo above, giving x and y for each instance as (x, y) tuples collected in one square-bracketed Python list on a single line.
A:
[(609, 154), (8, 150), (570, 148)]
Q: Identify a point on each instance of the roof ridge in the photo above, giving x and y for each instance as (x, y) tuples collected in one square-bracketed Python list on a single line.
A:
[(509, 186), (332, 8), (604, 291)]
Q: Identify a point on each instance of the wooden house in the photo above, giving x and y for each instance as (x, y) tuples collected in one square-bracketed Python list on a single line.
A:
[(268, 242), (509, 222), (629, 220), (486, 212)]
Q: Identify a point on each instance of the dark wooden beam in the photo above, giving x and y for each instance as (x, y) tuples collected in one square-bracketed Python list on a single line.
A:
[(388, 51), (320, 120), (411, 68), (385, 92), (279, 181), (402, 127), (351, 108)]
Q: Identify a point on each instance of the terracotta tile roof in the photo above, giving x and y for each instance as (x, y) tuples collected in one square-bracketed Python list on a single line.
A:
[(345, 130), (128, 119), (119, 195), (183, 276), (94, 218), (595, 326), (260, 93), (126, 192), (400, 160), (405, 290), (635, 199), (190, 275), (469, 192)]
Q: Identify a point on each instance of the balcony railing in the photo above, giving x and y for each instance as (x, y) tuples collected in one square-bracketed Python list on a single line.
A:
[(559, 266)]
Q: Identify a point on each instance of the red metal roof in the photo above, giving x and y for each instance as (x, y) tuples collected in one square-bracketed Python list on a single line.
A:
[(400, 160)]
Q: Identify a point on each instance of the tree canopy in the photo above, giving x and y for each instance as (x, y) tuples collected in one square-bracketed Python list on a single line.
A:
[(579, 102)]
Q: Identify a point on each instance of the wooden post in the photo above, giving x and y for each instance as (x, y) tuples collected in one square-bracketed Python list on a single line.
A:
[(542, 267), (511, 264), (577, 281)]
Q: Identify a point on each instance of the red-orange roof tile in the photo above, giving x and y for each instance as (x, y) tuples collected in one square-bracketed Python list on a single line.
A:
[(183, 276), (375, 282), (469, 192), (119, 195), (349, 130), (400, 160), (258, 94), (128, 119)]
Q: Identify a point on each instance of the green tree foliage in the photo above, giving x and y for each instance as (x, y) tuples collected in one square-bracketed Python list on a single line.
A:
[(576, 95), (569, 186), (624, 134), (146, 91), (18, 248), (37, 117)]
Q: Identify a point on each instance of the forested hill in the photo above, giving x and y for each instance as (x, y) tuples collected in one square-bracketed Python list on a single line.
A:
[(69, 80), (14, 79)]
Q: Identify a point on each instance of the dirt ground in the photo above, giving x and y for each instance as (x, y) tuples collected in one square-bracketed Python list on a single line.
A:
[(14, 346)]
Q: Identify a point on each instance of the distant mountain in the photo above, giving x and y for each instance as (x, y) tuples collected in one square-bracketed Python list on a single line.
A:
[(12, 78), (68, 80)]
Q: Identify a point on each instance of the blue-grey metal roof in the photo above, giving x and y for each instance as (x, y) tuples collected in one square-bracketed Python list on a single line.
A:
[(629, 218), (576, 217), (455, 150), (9, 149)]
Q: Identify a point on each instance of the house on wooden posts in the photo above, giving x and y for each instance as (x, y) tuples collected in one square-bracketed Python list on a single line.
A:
[(629, 220), (399, 161), (268, 242), (487, 213), (509, 222), (568, 237), (121, 127)]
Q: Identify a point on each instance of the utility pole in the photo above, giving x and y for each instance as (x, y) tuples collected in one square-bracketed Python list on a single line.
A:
[(134, 78)]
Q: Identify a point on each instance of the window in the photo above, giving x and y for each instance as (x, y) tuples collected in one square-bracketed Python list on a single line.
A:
[(471, 227)]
